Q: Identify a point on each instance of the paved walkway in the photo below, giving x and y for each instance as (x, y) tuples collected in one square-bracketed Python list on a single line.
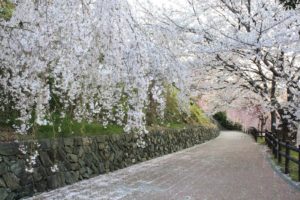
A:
[(228, 168)]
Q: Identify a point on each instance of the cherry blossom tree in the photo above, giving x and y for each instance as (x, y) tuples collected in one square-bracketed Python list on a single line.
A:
[(251, 45), (87, 59)]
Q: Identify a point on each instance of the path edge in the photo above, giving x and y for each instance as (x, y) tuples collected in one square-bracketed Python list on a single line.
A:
[(276, 168)]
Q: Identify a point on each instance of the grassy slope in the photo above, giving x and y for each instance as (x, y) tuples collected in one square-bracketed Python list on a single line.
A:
[(199, 117), (71, 128), (174, 119)]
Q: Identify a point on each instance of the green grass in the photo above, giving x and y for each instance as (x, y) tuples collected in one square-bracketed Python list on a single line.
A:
[(261, 140), (293, 167), (198, 116), (172, 113), (175, 125), (174, 118), (77, 129), (68, 127), (6, 9)]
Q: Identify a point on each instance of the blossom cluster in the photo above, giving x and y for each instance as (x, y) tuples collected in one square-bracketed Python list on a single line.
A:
[(89, 59), (244, 51)]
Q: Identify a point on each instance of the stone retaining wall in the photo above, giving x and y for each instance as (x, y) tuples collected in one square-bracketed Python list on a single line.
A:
[(85, 157)]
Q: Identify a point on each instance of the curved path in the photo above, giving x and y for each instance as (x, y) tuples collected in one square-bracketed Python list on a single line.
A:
[(229, 167)]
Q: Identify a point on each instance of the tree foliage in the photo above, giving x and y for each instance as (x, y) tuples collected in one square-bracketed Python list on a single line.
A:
[(242, 49), (221, 117), (290, 4), (88, 60)]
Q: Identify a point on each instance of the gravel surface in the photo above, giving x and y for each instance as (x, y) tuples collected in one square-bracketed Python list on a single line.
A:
[(229, 167)]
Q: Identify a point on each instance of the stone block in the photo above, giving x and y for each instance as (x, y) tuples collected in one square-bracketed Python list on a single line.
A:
[(81, 163), (70, 178), (73, 158), (79, 151), (11, 181), (61, 155), (69, 142), (11, 196), (74, 166), (101, 168), (3, 194), (3, 168), (2, 183), (54, 181), (45, 159), (82, 171), (39, 173), (26, 179), (69, 149), (9, 149), (41, 186), (45, 144), (101, 146), (18, 167), (78, 142), (101, 138), (86, 141)]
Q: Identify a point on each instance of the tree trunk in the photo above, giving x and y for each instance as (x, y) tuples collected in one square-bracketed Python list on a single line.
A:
[(298, 135), (273, 121), (273, 113), (288, 129)]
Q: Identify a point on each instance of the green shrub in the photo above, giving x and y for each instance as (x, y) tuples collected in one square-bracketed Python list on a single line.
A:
[(198, 116), (6, 9), (221, 117), (173, 116)]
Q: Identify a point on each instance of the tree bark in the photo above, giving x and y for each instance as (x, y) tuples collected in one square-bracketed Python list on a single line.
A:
[(273, 113), (273, 121)]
